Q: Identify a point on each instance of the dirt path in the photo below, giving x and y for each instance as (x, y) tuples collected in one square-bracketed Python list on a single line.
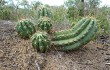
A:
[(18, 54)]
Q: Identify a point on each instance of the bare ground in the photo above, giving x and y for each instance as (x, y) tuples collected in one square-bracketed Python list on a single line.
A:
[(18, 54)]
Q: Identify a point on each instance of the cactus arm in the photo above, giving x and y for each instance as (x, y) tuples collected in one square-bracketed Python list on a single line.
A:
[(73, 34), (81, 42), (72, 29), (75, 39)]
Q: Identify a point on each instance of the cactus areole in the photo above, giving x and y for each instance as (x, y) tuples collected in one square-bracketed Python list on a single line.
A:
[(25, 28)]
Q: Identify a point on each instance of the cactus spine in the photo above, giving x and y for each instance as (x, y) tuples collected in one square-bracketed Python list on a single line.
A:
[(79, 35), (40, 41), (45, 24), (25, 28)]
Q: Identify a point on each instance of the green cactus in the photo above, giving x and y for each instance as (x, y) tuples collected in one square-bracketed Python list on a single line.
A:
[(79, 35), (83, 41), (45, 24), (40, 42), (44, 12), (25, 28), (74, 31)]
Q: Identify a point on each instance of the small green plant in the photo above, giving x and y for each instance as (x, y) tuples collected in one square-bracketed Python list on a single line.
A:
[(25, 28), (5, 14), (40, 41), (45, 24)]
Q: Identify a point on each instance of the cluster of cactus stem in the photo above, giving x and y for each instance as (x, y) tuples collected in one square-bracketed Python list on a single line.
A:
[(77, 36), (44, 15), (70, 39), (40, 41), (25, 28)]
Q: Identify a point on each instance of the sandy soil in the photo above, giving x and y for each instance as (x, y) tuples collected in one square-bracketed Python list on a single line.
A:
[(18, 54)]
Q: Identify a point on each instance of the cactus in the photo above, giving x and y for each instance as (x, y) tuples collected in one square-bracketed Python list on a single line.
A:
[(44, 12), (45, 24), (44, 15), (74, 31), (40, 41), (25, 28), (79, 35)]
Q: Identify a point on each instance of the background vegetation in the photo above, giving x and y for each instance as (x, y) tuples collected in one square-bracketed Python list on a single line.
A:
[(72, 10)]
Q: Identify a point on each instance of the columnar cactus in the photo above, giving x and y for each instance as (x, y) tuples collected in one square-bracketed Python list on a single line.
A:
[(45, 24), (76, 37), (72, 29), (44, 12), (25, 28), (40, 41)]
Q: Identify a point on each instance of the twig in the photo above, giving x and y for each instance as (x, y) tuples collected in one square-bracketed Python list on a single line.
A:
[(38, 65), (107, 63)]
